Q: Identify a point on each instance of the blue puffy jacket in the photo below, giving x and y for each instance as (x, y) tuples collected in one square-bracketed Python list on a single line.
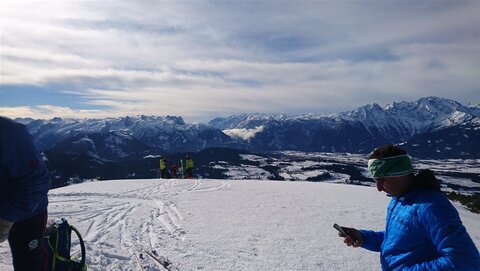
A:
[(423, 232), (24, 179)]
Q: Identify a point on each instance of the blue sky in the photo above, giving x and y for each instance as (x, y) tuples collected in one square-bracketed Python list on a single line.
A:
[(204, 59)]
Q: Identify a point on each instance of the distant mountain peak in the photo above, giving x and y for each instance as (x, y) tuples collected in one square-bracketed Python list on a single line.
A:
[(177, 120), (474, 104)]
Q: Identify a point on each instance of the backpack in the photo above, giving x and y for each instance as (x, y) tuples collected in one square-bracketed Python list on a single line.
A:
[(58, 243)]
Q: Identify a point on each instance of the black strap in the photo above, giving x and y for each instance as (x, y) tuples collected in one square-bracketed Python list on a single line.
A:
[(82, 245)]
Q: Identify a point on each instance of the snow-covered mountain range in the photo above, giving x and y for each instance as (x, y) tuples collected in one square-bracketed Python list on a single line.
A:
[(361, 129), (126, 137), (455, 127)]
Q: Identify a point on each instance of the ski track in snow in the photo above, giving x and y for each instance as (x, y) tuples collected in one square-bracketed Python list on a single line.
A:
[(170, 218), (220, 224)]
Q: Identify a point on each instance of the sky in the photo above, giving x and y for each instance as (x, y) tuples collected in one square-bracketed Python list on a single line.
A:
[(205, 59)]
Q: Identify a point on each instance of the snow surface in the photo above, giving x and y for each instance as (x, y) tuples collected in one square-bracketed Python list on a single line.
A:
[(205, 224)]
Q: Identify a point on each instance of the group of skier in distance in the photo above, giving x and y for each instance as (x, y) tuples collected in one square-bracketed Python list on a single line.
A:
[(173, 171)]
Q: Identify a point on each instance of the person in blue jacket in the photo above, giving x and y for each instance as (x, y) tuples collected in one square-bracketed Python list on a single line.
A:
[(24, 185), (423, 230)]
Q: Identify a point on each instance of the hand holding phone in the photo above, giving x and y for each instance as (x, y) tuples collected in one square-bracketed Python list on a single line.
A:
[(340, 229), (352, 237)]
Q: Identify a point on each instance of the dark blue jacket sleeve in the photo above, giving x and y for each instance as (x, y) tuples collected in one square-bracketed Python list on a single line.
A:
[(372, 240), (455, 248), (27, 180)]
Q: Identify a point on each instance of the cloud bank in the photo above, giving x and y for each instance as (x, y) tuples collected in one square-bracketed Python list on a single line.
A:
[(200, 59)]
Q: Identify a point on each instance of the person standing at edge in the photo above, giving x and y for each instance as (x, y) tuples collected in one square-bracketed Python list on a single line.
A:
[(423, 229), (163, 167), (189, 167), (24, 185)]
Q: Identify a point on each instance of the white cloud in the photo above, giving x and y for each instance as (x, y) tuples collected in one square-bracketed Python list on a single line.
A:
[(200, 59), (244, 134), (49, 111)]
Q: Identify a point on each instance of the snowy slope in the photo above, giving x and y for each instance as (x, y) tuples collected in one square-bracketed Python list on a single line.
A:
[(222, 224)]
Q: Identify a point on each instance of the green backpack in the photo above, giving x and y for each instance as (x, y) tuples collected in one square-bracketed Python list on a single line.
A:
[(58, 243)]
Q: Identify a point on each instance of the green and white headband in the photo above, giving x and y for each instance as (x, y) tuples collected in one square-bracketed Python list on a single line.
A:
[(394, 166)]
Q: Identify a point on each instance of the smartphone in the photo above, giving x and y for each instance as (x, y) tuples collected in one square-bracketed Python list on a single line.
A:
[(336, 226)]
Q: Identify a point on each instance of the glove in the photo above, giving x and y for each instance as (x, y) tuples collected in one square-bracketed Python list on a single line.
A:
[(5, 227)]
